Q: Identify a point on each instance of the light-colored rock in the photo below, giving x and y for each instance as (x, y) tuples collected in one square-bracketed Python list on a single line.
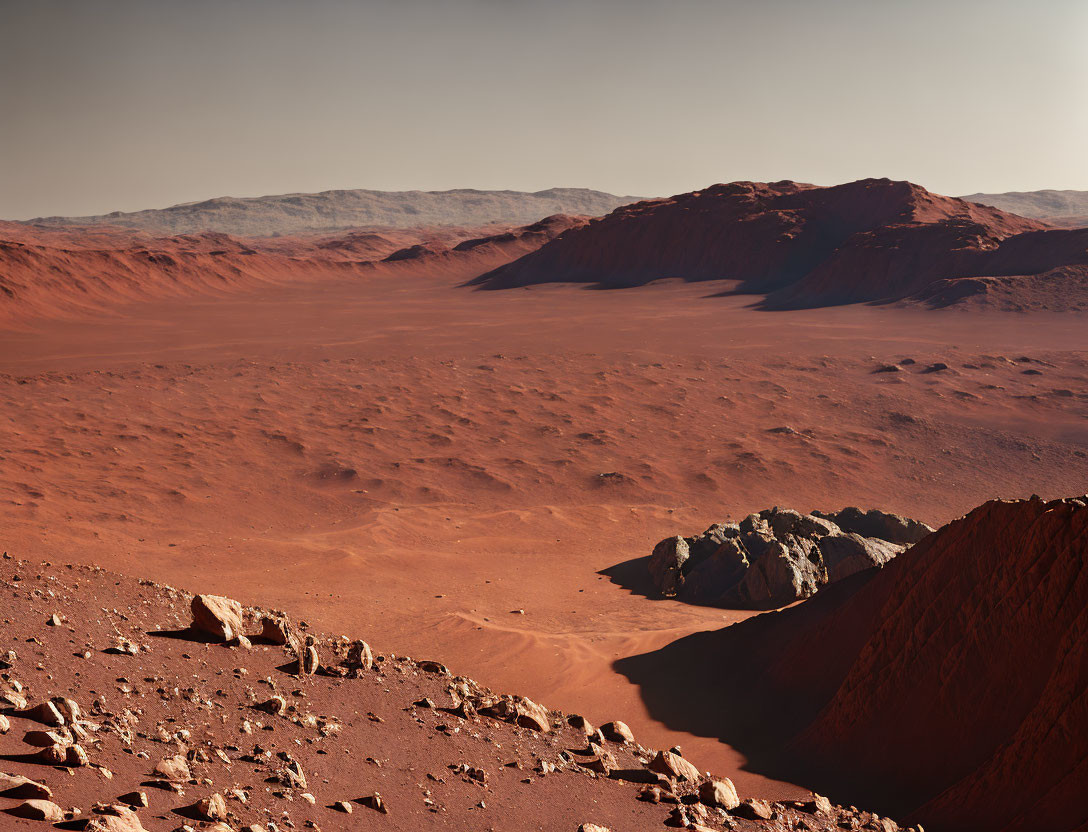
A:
[(532, 715), (675, 766), (375, 802), (308, 661), (68, 708), (720, 793), (75, 756), (135, 799), (44, 712), (617, 731), (212, 807), (666, 564), (174, 768), (360, 656), (38, 810), (217, 616), (5, 725), (18, 787), (44, 739), (580, 723), (12, 699), (753, 809), (276, 629), (54, 755), (115, 818), (593, 827), (818, 805)]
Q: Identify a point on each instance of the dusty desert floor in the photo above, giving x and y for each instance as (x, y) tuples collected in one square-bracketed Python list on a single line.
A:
[(467, 476)]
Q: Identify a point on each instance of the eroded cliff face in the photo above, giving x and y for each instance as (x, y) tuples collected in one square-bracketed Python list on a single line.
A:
[(948, 687), (970, 690)]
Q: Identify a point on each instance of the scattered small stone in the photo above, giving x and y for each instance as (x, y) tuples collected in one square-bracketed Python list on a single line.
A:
[(275, 706), (212, 807), (580, 723), (375, 802)]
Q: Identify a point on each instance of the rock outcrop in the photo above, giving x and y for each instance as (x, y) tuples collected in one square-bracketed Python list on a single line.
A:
[(778, 556), (805, 246), (217, 617)]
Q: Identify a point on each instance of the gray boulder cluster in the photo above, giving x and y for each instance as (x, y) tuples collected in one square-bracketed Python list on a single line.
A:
[(778, 556)]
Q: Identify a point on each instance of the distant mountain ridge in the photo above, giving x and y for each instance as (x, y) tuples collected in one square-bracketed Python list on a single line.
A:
[(799, 245), (334, 210), (1067, 209)]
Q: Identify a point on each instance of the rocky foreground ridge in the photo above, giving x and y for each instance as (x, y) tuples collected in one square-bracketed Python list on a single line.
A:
[(778, 556), (130, 706)]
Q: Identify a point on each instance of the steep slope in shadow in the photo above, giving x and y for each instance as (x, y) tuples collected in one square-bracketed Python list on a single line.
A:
[(951, 686)]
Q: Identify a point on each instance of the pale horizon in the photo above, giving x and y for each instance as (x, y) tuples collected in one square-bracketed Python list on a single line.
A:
[(125, 106)]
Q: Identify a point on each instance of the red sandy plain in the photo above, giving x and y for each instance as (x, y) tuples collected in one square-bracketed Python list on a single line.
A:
[(394, 456)]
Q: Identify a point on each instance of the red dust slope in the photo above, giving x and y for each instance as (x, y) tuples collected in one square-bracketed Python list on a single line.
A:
[(48, 272), (870, 240), (951, 685)]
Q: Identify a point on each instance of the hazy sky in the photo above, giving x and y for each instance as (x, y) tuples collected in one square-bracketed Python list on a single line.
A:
[(128, 104)]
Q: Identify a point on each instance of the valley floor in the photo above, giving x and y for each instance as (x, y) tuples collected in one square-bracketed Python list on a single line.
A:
[(468, 476)]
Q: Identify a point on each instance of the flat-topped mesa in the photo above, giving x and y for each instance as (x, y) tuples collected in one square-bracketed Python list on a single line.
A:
[(778, 556)]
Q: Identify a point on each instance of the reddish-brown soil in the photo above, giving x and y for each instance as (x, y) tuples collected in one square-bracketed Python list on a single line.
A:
[(418, 462)]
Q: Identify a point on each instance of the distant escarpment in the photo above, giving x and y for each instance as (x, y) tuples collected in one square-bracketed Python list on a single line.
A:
[(802, 246), (1065, 209), (951, 686), (337, 210), (778, 556)]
